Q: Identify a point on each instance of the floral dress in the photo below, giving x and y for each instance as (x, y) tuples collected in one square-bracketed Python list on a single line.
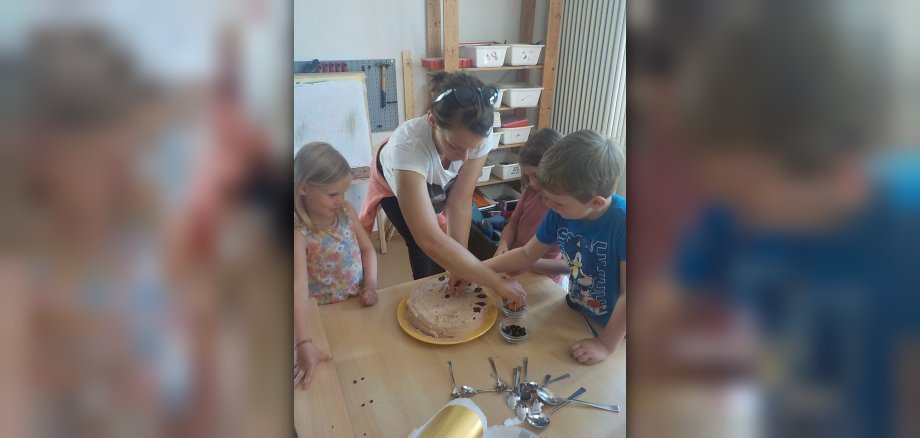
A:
[(334, 263)]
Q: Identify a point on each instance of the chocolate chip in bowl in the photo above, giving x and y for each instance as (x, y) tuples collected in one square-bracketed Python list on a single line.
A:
[(514, 330), (514, 312)]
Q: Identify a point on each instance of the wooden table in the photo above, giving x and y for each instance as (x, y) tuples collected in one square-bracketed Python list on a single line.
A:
[(383, 383)]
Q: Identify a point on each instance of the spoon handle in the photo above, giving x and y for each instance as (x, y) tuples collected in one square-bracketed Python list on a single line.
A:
[(572, 397), (606, 407), (453, 384), (524, 376), (498, 379), (564, 376)]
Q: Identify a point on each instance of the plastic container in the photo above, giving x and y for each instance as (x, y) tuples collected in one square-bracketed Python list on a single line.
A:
[(484, 55), (496, 137), (433, 63), (486, 170), (512, 121), (500, 192), (438, 63), (498, 102), (523, 54), (512, 169), (515, 135), (521, 95)]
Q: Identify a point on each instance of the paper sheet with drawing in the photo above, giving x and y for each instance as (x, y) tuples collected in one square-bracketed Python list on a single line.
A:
[(333, 109)]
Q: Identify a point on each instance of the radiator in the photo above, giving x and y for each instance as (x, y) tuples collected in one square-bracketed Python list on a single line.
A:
[(590, 88)]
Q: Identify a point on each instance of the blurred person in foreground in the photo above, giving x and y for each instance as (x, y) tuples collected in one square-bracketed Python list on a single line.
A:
[(97, 302), (791, 308), (142, 318)]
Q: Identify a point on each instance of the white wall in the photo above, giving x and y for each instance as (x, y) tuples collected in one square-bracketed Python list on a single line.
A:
[(359, 29)]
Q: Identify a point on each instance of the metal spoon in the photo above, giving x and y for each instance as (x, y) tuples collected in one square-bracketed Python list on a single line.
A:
[(499, 384), (520, 409), (554, 380), (528, 389), (468, 391), (541, 420), (549, 398), (453, 385), (514, 398)]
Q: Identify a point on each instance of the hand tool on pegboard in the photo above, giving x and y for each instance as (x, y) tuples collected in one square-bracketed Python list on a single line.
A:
[(383, 85)]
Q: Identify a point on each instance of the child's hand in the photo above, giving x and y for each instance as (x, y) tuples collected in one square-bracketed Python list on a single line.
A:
[(307, 357), (589, 351), (456, 285), (368, 297), (502, 248), (512, 292)]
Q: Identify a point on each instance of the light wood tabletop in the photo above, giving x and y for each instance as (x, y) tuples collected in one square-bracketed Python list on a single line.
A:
[(383, 383)]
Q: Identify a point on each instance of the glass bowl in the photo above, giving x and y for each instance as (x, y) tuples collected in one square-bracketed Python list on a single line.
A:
[(507, 322), (514, 313)]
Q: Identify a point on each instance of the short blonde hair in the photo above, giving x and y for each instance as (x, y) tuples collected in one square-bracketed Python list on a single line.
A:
[(581, 165), (316, 164)]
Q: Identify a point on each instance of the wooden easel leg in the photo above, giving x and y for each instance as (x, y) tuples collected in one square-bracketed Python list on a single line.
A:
[(381, 231)]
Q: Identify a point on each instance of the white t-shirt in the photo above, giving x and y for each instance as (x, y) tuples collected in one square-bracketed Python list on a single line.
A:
[(411, 148)]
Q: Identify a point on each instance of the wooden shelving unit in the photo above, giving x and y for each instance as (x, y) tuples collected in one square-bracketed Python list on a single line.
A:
[(503, 68), (450, 48), (495, 180), (443, 41)]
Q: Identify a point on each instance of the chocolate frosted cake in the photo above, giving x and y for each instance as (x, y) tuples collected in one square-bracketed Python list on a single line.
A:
[(435, 312)]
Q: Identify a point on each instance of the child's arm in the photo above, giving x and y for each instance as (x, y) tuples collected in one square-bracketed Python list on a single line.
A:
[(594, 350), (518, 258), (508, 235), (306, 355), (550, 267), (368, 296)]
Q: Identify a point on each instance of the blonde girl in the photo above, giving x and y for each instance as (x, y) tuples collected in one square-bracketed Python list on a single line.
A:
[(333, 256)]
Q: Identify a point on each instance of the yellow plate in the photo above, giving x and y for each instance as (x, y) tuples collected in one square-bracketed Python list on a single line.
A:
[(402, 315)]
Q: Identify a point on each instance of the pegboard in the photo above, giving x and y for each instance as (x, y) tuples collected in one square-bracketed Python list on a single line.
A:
[(384, 117)]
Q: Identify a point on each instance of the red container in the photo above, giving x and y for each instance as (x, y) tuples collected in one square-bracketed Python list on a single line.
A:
[(438, 63), (433, 63), (515, 123)]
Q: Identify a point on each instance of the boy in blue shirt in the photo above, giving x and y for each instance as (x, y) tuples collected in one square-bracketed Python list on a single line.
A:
[(588, 222)]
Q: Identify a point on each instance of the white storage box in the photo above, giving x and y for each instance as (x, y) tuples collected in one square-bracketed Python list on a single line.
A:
[(500, 192), (497, 122), (505, 164), (496, 137), (521, 95), (515, 135), (498, 102), (523, 54), (486, 171), (484, 55)]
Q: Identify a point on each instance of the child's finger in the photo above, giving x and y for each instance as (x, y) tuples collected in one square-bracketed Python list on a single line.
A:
[(298, 377), (308, 379)]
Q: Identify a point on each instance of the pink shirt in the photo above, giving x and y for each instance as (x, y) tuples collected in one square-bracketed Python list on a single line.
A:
[(528, 214)]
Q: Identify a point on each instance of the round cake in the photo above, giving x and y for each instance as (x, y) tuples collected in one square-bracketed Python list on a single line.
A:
[(433, 311)]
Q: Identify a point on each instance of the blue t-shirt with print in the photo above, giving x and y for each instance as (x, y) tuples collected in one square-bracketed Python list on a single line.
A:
[(593, 250)]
